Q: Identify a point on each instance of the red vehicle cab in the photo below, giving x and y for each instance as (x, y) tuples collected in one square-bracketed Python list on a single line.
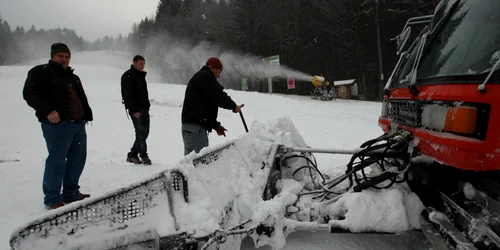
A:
[(445, 88)]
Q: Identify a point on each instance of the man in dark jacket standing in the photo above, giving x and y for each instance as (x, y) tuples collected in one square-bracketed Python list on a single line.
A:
[(203, 97), (136, 99), (57, 96)]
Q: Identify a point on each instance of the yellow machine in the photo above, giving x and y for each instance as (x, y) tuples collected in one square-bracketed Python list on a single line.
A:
[(317, 81), (320, 91)]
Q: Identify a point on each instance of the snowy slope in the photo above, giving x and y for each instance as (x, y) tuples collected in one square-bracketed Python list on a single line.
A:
[(338, 124)]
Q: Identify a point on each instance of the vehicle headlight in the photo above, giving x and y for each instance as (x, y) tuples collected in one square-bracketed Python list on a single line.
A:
[(461, 119)]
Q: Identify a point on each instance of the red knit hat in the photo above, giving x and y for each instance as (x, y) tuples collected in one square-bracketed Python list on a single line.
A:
[(214, 62)]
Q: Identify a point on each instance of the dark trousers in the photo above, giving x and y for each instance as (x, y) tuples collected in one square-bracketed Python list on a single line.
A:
[(141, 126), (67, 146)]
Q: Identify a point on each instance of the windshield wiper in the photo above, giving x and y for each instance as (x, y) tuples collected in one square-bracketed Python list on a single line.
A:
[(429, 35), (482, 87)]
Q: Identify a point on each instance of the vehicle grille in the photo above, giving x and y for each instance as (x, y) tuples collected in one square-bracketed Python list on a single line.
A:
[(404, 112)]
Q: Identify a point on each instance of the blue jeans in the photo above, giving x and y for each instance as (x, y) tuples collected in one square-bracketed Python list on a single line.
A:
[(67, 146), (141, 126)]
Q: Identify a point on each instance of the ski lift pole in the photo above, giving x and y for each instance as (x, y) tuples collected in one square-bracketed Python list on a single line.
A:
[(243, 119)]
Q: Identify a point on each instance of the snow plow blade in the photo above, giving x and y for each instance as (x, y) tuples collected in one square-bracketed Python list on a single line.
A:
[(112, 221), (178, 208), (265, 185)]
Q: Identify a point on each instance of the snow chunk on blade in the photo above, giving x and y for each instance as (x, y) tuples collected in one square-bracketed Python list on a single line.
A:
[(389, 210)]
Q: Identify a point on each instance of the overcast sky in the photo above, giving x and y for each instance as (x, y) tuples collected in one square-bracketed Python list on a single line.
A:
[(90, 19)]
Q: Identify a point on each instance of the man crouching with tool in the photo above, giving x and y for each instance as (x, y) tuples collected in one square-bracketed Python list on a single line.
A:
[(203, 97)]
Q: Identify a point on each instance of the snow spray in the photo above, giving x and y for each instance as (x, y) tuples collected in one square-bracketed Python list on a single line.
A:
[(180, 59)]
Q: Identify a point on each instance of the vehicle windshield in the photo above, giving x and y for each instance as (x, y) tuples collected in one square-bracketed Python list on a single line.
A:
[(467, 44), (442, 9)]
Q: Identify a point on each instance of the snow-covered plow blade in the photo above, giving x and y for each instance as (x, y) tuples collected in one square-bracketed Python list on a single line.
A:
[(265, 185), (134, 215), (179, 208)]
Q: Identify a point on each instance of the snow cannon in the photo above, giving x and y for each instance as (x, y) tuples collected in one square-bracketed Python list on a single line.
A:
[(317, 81), (320, 92), (264, 188)]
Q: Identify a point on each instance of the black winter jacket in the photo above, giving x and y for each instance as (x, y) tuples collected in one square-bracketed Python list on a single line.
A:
[(203, 96), (46, 90), (134, 90)]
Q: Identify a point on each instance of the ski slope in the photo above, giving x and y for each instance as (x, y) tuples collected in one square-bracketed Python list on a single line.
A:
[(333, 124)]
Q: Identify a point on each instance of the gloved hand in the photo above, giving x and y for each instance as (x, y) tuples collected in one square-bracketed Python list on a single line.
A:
[(220, 130)]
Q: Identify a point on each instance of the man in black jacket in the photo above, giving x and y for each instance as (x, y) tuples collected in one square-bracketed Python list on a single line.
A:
[(134, 90), (203, 97), (57, 96)]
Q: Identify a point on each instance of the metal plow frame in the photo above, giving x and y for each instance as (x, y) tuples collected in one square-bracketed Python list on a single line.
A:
[(118, 210)]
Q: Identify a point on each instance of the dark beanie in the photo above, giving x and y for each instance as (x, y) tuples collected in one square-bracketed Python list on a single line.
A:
[(214, 62), (58, 47)]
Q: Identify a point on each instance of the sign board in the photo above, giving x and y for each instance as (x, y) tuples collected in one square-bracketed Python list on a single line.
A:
[(291, 83), (244, 84), (274, 66)]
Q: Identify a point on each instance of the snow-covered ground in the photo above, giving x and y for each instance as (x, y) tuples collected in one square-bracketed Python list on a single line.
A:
[(331, 124)]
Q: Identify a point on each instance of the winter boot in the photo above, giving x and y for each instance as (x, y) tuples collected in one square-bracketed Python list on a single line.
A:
[(146, 160), (78, 197), (133, 159), (57, 205)]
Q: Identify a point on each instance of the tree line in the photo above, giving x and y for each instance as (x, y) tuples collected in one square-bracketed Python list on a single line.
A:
[(18, 45), (339, 39)]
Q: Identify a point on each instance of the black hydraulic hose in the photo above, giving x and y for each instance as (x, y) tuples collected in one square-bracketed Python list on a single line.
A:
[(312, 155), (315, 162), (364, 151), (378, 179), (350, 170), (314, 158), (380, 163), (378, 154), (306, 166), (379, 159), (321, 186), (392, 179), (363, 164), (309, 160)]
